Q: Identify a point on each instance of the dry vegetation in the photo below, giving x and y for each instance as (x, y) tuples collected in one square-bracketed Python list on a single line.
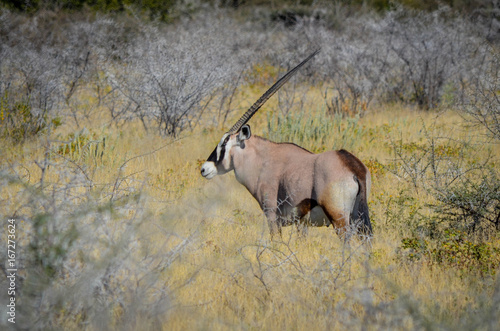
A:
[(105, 123)]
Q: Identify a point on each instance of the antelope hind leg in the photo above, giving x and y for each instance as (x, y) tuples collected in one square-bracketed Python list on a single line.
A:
[(337, 202)]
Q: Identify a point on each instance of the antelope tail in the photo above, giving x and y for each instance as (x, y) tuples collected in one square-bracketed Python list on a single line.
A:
[(360, 215)]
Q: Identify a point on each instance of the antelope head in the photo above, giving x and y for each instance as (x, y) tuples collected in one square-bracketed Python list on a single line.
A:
[(220, 161)]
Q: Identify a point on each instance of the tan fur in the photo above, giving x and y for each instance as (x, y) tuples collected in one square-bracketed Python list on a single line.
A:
[(287, 179)]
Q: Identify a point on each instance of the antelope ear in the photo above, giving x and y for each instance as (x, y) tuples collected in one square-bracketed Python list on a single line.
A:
[(244, 133)]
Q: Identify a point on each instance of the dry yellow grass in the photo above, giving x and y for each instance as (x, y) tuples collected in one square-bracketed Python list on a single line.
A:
[(232, 276)]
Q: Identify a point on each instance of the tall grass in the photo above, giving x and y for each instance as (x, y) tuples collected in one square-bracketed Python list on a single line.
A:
[(139, 239), (117, 229), (315, 130)]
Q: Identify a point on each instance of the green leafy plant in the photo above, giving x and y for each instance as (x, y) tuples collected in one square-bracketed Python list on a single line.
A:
[(84, 145), (416, 248), (318, 132), (18, 121), (453, 249)]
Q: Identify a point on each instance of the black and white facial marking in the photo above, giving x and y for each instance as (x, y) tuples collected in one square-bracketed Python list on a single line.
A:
[(219, 162), (215, 163)]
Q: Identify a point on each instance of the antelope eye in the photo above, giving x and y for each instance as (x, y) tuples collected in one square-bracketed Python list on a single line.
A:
[(224, 141)]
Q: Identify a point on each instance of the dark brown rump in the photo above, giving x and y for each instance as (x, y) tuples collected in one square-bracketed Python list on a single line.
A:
[(360, 214), (353, 164)]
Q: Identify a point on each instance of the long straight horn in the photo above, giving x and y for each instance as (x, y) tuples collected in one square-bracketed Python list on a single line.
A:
[(256, 106)]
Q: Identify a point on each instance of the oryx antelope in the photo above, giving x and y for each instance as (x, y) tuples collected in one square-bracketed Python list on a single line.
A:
[(289, 182)]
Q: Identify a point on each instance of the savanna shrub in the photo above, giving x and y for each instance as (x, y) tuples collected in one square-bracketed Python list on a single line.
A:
[(19, 122), (472, 203), (453, 249), (81, 251), (481, 104)]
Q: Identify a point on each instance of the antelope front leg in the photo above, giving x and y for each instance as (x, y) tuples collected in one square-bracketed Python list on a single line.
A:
[(273, 222), (269, 205)]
